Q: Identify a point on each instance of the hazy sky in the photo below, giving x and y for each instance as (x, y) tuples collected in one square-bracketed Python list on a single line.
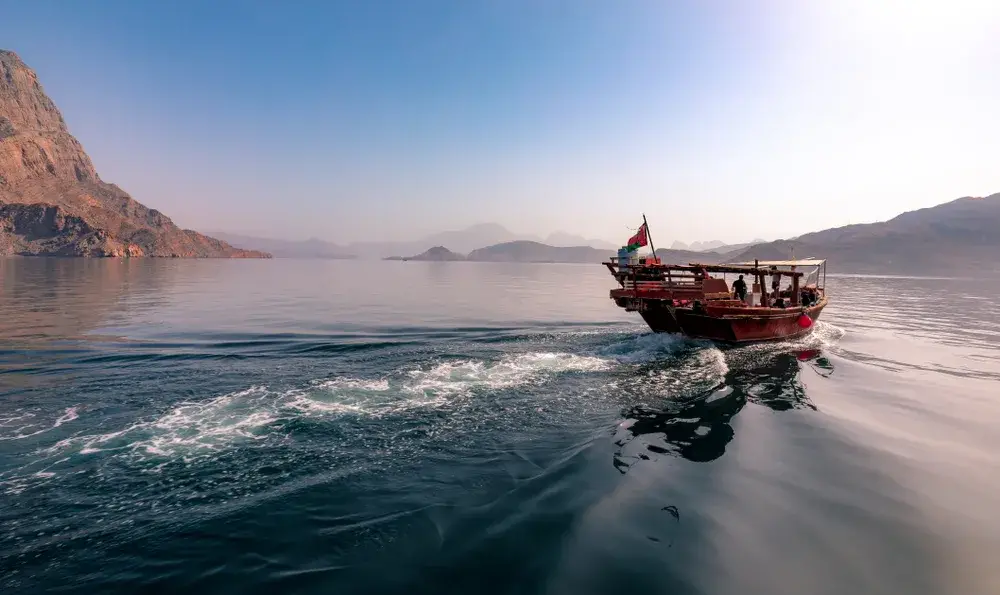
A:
[(375, 119)]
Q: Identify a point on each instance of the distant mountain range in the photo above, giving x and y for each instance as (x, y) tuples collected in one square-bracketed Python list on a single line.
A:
[(524, 251), (536, 252), (697, 246), (435, 254), (466, 240), (713, 246), (561, 239), (527, 251), (311, 248), (461, 241), (961, 237)]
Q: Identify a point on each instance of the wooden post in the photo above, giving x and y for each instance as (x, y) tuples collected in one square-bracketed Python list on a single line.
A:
[(649, 236), (795, 290)]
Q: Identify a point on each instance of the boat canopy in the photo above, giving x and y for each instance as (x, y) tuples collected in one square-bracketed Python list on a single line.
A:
[(783, 263)]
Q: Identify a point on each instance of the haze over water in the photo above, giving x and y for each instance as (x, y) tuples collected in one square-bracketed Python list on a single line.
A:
[(353, 427)]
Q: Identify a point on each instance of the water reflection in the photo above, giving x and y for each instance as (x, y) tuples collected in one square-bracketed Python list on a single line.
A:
[(773, 379), (64, 298), (49, 305), (697, 426)]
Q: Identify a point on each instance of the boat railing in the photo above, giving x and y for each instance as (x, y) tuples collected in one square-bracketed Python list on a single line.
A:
[(643, 278), (661, 285)]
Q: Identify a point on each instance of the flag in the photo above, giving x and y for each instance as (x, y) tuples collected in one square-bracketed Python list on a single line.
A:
[(639, 239)]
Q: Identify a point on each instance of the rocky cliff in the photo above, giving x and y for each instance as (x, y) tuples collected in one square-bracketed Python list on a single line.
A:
[(52, 202)]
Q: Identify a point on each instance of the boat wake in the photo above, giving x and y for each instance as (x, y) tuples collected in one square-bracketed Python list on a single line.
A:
[(190, 430), (438, 385), (633, 368), (647, 346)]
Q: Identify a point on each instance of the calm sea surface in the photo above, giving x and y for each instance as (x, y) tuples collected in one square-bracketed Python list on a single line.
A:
[(345, 427)]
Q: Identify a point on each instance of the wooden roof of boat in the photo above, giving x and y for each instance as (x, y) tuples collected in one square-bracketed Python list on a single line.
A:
[(711, 268), (811, 262)]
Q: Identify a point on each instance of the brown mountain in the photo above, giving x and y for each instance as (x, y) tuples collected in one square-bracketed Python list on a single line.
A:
[(52, 202), (961, 237), (524, 251), (435, 254), (311, 248)]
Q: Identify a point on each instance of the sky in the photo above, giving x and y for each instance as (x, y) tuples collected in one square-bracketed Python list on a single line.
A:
[(379, 120)]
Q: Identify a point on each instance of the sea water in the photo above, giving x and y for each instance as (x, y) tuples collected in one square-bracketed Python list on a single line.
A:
[(293, 426)]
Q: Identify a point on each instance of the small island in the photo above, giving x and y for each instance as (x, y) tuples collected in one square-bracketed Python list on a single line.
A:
[(435, 254)]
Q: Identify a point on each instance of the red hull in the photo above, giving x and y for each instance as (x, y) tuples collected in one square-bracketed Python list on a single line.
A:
[(727, 324)]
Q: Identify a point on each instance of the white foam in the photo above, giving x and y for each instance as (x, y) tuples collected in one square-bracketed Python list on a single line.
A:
[(188, 428), (19, 433), (211, 425), (355, 384), (29, 428), (462, 377), (68, 416), (561, 362), (713, 362), (193, 429), (435, 386), (311, 405), (827, 333), (7, 421)]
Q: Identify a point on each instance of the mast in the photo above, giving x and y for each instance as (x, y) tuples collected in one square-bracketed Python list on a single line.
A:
[(649, 236)]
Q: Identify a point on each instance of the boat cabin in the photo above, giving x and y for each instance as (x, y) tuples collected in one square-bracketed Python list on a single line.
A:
[(770, 284), (788, 282)]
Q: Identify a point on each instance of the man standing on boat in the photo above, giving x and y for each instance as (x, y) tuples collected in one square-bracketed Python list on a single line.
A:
[(740, 289)]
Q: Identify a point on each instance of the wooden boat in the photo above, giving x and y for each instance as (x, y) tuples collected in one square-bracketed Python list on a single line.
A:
[(696, 299)]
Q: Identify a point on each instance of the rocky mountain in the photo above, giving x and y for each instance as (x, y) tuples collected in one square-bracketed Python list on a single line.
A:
[(435, 254), (526, 251), (460, 240), (726, 248), (466, 240), (713, 246), (52, 202), (470, 238), (563, 239), (961, 237), (536, 252), (697, 246), (311, 248)]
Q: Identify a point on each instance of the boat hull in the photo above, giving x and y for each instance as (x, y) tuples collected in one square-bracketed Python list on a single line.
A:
[(731, 327)]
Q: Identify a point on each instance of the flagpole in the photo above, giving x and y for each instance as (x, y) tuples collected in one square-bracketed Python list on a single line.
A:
[(649, 235)]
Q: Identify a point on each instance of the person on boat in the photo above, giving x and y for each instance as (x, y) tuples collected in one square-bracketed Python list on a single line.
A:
[(775, 281), (807, 298), (740, 289)]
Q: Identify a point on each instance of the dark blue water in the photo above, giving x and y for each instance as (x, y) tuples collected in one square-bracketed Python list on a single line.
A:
[(347, 427)]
